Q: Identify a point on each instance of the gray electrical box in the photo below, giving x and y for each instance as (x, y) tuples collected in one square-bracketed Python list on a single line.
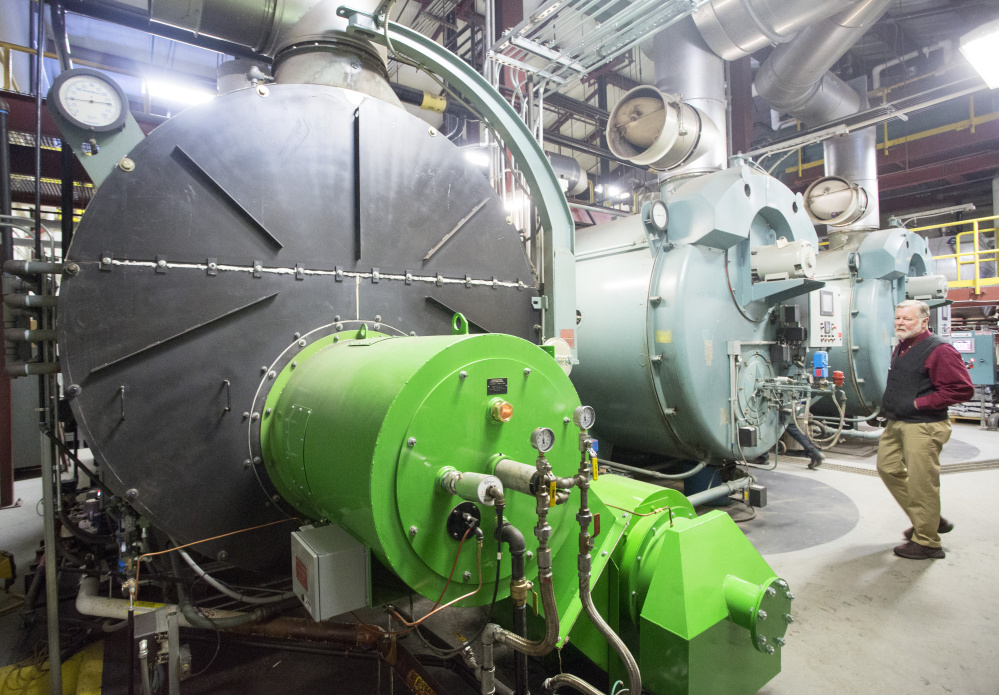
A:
[(330, 570)]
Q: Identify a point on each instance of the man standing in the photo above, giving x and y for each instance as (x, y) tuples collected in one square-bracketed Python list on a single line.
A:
[(926, 376)]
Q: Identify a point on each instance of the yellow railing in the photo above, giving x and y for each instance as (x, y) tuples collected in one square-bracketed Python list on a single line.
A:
[(974, 256)]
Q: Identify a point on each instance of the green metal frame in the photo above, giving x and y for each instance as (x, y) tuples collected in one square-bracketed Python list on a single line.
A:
[(558, 308)]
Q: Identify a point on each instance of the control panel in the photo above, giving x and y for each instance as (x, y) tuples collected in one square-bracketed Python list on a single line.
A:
[(979, 352), (825, 318)]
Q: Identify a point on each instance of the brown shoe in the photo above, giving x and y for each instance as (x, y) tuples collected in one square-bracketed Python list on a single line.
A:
[(944, 527), (914, 551)]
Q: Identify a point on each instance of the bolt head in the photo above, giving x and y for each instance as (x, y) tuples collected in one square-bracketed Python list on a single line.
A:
[(771, 592), (257, 460), (790, 596), (222, 556), (527, 370), (302, 343), (432, 131), (339, 326), (530, 554), (761, 614), (161, 263), (769, 650), (246, 463), (789, 618), (294, 364), (761, 640), (413, 530), (71, 269), (73, 390), (412, 442), (254, 416), (467, 576), (258, 268), (779, 641), (213, 266), (378, 317), (106, 260), (603, 553), (268, 411), (132, 494), (462, 375)]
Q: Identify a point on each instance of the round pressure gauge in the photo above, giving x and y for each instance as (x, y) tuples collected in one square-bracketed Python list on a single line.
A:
[(543, 439), (584, 416), (659, 215), (89, 100)]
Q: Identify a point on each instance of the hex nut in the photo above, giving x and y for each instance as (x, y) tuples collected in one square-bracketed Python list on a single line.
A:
[(126, 164)]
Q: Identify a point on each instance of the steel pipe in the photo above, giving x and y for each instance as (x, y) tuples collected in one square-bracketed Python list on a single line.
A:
[(30, 301), (32, 368), (722, 490), (26, 335), (795, 78), (736, 29)]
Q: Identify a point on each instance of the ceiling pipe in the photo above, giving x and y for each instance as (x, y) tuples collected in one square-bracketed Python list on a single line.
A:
[(795, 78), (736, 28)]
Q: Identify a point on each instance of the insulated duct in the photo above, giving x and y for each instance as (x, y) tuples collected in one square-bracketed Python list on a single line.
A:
[(700, 83), (795, 78), (307, 39), (736, 28)]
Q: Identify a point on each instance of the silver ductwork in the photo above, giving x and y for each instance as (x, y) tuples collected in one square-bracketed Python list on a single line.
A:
[(795, 78), (306, 39), (699, 82), (736, 28), (659, 130)]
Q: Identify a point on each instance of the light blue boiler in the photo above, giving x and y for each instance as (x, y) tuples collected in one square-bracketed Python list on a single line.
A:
[(679, 315)]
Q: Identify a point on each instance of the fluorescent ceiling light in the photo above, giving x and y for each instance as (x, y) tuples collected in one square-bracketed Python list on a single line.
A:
[(477, 157), (612, 191), (176, 93), (979, 47)]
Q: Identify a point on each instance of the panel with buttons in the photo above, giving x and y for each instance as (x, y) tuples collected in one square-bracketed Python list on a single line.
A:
[(825, 318)]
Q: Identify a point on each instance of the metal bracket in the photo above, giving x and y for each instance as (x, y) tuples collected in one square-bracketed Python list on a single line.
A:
[(299, 272), (257, 265), (375, 276), (409, 277), (338, 273), (540, 303), (106, 263), (213, 266), (161, 264)]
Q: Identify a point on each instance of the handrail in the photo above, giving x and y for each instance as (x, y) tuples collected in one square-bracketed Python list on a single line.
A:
[(977, 256)]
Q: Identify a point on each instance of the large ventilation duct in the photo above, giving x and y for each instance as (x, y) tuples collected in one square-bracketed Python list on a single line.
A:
[(795, 78), (699, 82), (736, 28), (659, 130), (307, 40)]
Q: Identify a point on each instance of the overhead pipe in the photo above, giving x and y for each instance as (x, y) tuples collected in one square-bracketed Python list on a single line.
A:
[(795, 78), (946, 46), (735, 29)]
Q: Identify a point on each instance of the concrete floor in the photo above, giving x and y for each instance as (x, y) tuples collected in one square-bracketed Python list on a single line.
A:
[(866, 621), (870, 622)]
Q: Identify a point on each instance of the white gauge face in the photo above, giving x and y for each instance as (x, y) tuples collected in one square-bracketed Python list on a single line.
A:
[(584, 417), (91, 101), (660, 215), (543, 439)]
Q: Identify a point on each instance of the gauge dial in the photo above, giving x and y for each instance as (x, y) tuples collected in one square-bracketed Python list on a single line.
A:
[(543, 439), (584, 416), (89, 100), (660, 215)]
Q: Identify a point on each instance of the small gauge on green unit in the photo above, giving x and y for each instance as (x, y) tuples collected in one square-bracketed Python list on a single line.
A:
[(543, 439), (584, 416)]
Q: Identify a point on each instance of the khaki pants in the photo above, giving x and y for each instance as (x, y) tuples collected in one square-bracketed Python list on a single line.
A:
[(909, 465)]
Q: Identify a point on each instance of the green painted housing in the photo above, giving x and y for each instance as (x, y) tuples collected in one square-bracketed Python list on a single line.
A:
[(357, 429)]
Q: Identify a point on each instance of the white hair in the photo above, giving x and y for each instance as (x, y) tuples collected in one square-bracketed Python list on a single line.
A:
[(922, 308)]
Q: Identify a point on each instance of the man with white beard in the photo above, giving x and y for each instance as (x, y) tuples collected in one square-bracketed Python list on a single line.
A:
[(926, 376)]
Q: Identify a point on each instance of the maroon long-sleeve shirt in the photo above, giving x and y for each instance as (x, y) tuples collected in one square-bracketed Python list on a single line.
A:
[(948, 373)]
